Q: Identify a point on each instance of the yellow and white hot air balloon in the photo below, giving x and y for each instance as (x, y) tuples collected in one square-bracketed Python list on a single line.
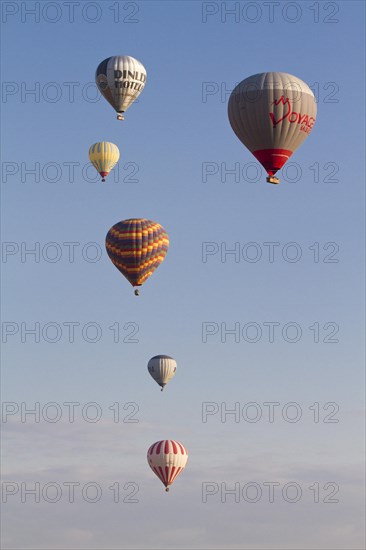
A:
[(104, 156)]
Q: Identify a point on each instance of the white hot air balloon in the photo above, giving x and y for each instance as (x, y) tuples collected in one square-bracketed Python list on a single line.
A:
[(162, 368), (167, 459), (272, 114), (120, 80)]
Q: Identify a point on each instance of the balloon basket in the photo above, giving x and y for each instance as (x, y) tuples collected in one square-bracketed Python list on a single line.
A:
[(137, 292), (120, 117), (167, 490), (272, 179)]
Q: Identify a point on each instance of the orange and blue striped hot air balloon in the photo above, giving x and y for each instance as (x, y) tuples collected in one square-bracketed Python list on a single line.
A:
[(137, 247)]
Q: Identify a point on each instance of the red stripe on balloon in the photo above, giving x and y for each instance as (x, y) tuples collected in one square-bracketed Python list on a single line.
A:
[(171, 477), (162, 474), (151, 450), (175, 448), (272, 159), (183, 451), (159, 447), (166, 447), (176, 474)]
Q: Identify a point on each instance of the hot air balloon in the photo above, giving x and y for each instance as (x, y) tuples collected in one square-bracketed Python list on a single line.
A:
[(167, 459), (104, 156), (120, 80), (137, 247), (162, 368), (272, 114)]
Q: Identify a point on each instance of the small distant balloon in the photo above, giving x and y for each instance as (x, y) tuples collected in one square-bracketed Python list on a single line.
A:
[(167, 459), (120, 80), (162, 368), (272, 114), (104, 156), (137, 247)]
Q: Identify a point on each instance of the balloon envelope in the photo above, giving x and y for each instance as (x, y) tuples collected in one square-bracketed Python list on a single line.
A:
[(167, 459), (120, 80), (104, 156), (137, 247), (272, 114), (162, 368)]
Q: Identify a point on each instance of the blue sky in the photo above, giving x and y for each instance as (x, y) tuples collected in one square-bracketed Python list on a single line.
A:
[(166, 140)]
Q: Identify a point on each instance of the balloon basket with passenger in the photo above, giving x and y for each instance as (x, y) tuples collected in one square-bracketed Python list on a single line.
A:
[(272, 179)]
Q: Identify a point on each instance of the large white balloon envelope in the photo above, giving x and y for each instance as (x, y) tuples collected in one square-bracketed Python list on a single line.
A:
[(272, 114), (120, 80)]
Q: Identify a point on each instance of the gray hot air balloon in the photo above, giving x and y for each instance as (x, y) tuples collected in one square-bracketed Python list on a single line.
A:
[(272, 114), (162, 368), (120, 80)]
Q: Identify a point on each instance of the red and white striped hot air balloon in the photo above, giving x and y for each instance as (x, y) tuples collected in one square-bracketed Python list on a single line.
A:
[(272, 114), (167, 459)]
